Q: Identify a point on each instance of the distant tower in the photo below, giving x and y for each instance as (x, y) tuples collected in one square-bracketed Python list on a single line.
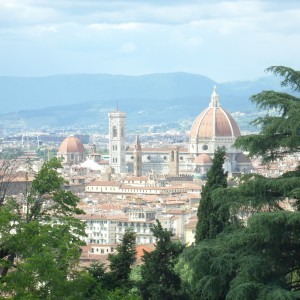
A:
[(117, 151), (173, 161), (137, 157)]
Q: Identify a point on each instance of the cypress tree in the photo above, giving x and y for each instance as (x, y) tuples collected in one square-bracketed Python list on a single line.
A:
[(209, 222), (159, 279)]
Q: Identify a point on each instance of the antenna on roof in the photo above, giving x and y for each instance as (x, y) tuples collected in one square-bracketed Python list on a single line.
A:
[(117, 105)]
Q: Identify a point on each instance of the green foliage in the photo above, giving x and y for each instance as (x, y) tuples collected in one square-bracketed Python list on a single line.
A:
[(10, 153), (47, 199), (121, 262), (280, 128), (159, 279), (259, 260), (46, 153), (253, 262), (117, 280), (212, 215), (256, 193), (40, 249)]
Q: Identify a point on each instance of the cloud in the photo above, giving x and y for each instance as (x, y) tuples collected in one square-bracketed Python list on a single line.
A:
[(120, 26), (227, 39)]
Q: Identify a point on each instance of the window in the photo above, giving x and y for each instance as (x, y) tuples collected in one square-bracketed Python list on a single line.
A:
[(115, 131), (172, 156)]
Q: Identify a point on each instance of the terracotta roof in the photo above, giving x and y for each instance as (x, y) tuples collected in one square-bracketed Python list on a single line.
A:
[(136, 178), (140, 251), (203, 159), (71, 144), (214, 121), (104, 183)]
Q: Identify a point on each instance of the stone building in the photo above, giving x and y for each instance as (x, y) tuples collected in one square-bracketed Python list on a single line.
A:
[(117, 152), (214, 127), (72, 151)]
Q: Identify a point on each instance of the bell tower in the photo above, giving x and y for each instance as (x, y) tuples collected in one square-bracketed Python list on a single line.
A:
[(117, 151), (173, 160), (137, 157)]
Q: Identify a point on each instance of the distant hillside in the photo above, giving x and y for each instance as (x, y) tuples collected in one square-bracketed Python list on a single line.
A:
[(66, 100)]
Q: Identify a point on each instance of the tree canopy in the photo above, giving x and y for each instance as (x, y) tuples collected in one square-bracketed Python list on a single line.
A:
[(259, 258), (280, 127), (159, 279), (40, 239), (211, 220)]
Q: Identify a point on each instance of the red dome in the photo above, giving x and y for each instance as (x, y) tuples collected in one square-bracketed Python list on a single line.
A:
[(214, 122), (71, 145), (203, 159)]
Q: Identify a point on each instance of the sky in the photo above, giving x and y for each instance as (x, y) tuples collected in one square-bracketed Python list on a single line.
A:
[(224, 40)]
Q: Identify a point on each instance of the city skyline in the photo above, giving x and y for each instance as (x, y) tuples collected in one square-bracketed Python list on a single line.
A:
[(224, 40)]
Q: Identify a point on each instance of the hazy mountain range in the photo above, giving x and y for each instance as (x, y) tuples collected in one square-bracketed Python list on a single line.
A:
[(84, 99)]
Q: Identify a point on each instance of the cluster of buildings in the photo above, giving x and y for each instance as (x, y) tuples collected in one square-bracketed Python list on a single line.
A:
[(138, 185), (134, 185), (213, 128)]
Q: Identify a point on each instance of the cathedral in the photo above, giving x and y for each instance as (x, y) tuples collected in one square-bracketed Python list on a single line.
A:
[(214, 127)]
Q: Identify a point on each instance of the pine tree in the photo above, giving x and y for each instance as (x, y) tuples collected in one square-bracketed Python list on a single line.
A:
[(121, 262), (210, 221), (159, 280), (261, 259), (280, 127)]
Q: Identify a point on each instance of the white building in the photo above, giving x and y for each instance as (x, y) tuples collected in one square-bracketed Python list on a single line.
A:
[(117, 151), (214, 127)]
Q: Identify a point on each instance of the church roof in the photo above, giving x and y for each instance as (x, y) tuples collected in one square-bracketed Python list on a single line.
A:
[(71, 144), (203, 159), (214, 122)]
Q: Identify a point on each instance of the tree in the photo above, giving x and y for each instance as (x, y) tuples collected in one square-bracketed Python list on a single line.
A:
[(121, 262), (280, 127), (210, 220), (116, 281), (261, 259), (40, 239), (8, 172), (159, 279)]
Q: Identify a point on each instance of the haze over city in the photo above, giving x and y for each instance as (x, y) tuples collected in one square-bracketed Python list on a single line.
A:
[(224, 40), (144, 152)]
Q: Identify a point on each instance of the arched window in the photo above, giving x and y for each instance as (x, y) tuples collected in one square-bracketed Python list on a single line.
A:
[(172, 156), (122, 132), (115, 131)]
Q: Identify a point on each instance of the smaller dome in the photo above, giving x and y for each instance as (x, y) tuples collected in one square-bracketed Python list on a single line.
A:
[(203, 159), (241, 158), (71, 145)]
